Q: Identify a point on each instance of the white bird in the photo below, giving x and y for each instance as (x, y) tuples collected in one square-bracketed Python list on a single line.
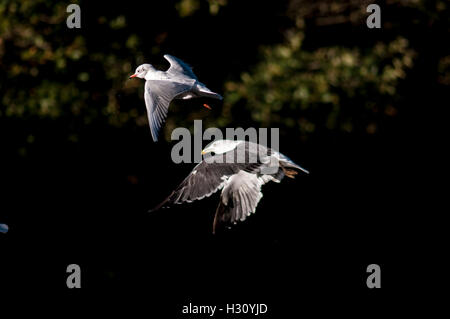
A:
[(161, 87), (239, 168), (4, 228)]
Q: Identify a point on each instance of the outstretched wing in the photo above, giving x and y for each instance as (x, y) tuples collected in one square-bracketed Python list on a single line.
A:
[(206, 178), (239, 198), (177, 66), (158, 95)]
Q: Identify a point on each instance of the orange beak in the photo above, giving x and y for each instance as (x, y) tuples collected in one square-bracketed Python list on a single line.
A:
[(207, 106), (133, 76)]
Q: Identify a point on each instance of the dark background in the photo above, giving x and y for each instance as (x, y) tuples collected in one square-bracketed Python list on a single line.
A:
[(78, 190)]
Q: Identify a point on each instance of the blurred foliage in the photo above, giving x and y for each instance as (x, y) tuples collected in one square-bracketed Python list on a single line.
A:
[(47, 70), (189, 7), (343, 84), (345, 88), (310, 82)]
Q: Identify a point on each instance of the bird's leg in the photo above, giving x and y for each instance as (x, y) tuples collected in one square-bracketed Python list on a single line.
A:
[(289, 172), (207, 106)]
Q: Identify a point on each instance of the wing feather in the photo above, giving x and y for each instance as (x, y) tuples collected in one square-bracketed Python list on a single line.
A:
[(239, 199), (158, 95), (206, 178)]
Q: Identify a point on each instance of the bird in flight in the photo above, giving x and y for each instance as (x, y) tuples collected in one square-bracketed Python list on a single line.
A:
[(4, 228), (161, 87), (239, 169)]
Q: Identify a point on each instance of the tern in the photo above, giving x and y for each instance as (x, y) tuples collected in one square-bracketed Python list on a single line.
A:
[(161, 87)]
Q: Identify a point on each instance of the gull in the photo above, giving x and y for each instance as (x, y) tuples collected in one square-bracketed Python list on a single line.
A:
[(4, 228), (238, 168), (161, 87)]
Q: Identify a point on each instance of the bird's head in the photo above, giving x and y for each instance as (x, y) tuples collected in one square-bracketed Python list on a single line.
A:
[(220, 146), (141, 71)]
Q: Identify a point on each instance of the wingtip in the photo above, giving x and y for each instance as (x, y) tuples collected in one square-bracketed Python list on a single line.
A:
[(158, 207), (154, 137)]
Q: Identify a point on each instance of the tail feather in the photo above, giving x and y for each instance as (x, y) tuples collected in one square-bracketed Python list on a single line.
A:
[(202, 90), (210, 95)]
